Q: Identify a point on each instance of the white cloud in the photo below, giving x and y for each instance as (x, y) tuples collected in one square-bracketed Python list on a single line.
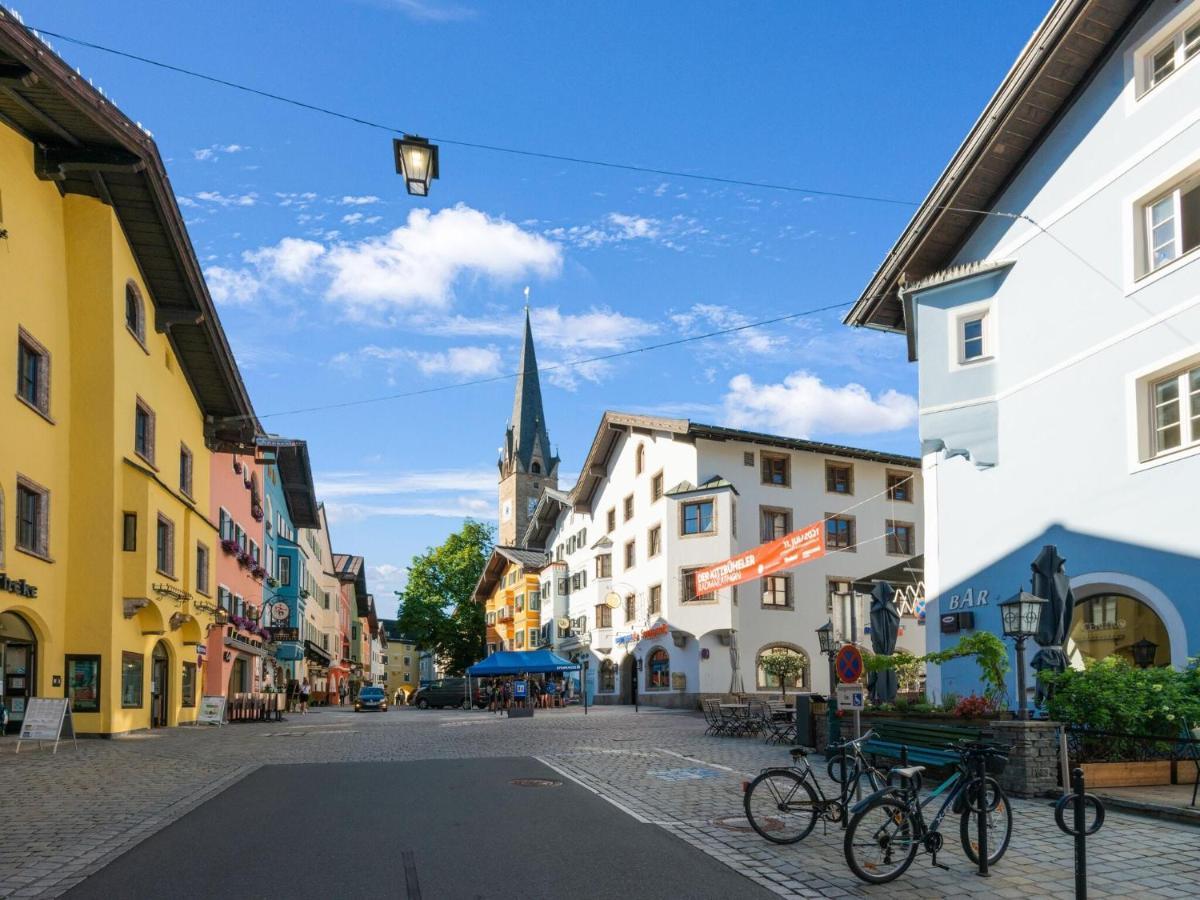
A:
[(359, 201), (418, 264), (203, 154), (802, 405), (212, 152), (702, 317), (470, 362), (597, 329), (613, 228), (342, 485), (452, 508), (427, 10), (382, 580), (219, 199), (232, 287), (568, 374), (292, 260), (352, 218)]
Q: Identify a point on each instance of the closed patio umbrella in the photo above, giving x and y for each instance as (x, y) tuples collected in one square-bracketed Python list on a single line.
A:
[(1050, 582), (885, 625)]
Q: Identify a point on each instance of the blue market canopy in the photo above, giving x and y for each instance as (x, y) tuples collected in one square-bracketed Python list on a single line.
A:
[(516, 662)]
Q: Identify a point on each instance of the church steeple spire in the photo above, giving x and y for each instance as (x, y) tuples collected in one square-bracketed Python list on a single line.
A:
[(526, 463)]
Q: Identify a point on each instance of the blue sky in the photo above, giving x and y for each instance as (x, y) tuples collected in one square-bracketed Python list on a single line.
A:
[(334, 284)]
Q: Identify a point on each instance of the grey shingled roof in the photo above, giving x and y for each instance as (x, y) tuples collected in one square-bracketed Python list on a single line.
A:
[(528, 417)]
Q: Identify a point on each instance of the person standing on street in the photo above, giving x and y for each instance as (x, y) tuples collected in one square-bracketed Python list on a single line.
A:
[(305, 689), (342, 694)]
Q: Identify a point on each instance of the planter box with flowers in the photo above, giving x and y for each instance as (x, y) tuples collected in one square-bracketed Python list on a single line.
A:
[(229, 545), (272, 582), (258, 571), (257, 512), (244, 558)]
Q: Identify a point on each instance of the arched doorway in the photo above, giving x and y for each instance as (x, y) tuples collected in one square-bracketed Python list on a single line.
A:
[(160, 683), (629, 681), (18, 666), (1115, 624)]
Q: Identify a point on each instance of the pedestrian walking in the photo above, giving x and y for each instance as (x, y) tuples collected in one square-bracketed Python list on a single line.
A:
[(305, 690), (342, 694), (293, 688), (551, 693)]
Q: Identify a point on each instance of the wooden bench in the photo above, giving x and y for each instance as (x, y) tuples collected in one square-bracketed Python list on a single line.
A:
[(925, 744)]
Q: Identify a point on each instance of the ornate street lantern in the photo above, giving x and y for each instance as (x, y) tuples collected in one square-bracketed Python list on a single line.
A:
[(1020, 617), (1144, 652), (825, 637), (417, 161), (829, 646)]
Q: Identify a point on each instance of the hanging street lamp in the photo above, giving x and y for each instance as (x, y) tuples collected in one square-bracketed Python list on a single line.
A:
[(417, 161), (1144, 652), (829, 646), (1020, 616)]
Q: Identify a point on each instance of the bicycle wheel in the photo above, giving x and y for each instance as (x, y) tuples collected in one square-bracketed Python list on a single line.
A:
[(781, 806), (881, 841), (842, 766), (998, 818)]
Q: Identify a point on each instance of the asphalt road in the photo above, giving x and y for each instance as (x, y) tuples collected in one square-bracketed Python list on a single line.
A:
[(431, 829)]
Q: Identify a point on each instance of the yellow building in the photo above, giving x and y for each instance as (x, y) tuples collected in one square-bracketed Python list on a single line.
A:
[(403, 662), (124, 384), (510, 589)]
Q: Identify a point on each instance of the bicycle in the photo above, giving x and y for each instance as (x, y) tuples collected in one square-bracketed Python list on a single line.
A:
[(886, 829), (783, 803)]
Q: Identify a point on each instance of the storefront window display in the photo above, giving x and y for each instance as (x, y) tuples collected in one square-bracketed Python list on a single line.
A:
[(658, 670), (188, 692), (83, 683), (1110, 624), (132, 678), (608, 676)]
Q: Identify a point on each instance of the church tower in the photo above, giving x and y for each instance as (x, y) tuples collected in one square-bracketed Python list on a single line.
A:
[(526, 464)]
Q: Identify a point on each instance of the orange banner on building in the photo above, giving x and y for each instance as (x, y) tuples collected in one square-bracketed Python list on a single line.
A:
[(797, 548)]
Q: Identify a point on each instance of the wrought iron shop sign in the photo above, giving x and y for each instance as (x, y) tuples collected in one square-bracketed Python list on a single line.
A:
[(285, 634), (19, 586)]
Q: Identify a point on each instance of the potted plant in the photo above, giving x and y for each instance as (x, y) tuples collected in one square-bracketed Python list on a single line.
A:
[(229, 545), (784, 666), (257, 512), (272, 582)]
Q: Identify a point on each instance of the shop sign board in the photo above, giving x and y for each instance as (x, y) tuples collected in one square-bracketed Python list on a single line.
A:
[(520, 689), (285, 634), (47, 719), (212, 710), (801, 546), (18, 586)]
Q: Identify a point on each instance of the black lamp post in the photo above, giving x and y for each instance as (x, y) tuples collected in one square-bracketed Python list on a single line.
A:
[(829, 646), (1144, 652), (1020, 616), (417, 161)]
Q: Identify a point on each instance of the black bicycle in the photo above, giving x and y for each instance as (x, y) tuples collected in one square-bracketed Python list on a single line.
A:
[(783, 803), (888, 828)]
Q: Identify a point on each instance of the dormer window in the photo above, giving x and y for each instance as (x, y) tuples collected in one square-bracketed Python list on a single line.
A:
[(536, 468)]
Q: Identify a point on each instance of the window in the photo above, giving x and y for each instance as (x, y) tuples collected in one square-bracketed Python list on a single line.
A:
[(900, 487), (630, 554), (33, 373), (766, 682), (129, 532), (748, 460), (608, 676), (535, 601), (899, 538), (776, 469), (689, 587), (654, 600), (135, 312), (1172, 224), (131, 680), (697, 518), (165, 547), (839, 478), (839, 533), (628, 508), (143, 431), (604, 565), (520, 640), (534, 638), (658, 670), (654, 542), (536, 468), (630, 608), (83, 683), (188, 692), (639, 459), (1176, 419), (834, 588), (611, 520), (777, 591), (33, 518), (1169, 56), (603, 616), (520, 602), (185, 470), (775, 523), (239, 535), (202, 569), (225, 522), (224, 598)]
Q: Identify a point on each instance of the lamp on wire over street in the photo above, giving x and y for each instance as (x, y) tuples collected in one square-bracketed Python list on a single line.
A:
[(417, 161)]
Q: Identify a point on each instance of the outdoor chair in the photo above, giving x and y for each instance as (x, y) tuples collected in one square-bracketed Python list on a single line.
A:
[(781, 723), (712, 715)]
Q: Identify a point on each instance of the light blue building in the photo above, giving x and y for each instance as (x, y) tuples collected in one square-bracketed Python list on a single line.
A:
[(1057, 335), (290, 502)]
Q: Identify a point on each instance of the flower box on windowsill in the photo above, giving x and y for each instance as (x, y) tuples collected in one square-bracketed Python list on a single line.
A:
[(229, 546), (257, 513)]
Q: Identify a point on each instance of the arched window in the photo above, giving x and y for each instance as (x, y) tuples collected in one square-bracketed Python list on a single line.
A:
[(1118, 625), (135, 311), (608, 676), (767, 682), (658, 670), (640, 459), (536, 468)]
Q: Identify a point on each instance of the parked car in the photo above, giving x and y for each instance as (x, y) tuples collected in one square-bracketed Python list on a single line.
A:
[(371, 696), (448, 692)]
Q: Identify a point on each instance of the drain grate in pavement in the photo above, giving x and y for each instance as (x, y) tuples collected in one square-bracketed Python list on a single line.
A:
[(741, 823), (536, 782)]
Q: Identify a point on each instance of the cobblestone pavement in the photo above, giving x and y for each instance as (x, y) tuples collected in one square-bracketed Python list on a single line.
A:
[(66, 815)]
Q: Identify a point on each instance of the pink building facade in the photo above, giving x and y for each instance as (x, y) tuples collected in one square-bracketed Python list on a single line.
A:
[(236, 648)]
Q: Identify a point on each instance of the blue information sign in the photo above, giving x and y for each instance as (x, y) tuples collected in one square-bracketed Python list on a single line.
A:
[(520, 689)]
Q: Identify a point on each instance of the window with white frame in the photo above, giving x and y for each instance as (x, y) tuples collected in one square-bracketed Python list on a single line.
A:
[(1176, 413), (1171, 224), (972, 338), (1170, 54)]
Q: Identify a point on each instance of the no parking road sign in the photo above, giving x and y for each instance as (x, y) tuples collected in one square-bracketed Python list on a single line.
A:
[(849, 664)]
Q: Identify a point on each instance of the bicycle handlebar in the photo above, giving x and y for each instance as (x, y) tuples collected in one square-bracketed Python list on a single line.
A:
[(867, 735)]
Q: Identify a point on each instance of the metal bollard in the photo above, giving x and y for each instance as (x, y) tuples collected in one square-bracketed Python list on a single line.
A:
[(1079, 828), (982, 800)]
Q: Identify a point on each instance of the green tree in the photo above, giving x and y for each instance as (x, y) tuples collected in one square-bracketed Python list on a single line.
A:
[(784, 666), (436, 608)]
